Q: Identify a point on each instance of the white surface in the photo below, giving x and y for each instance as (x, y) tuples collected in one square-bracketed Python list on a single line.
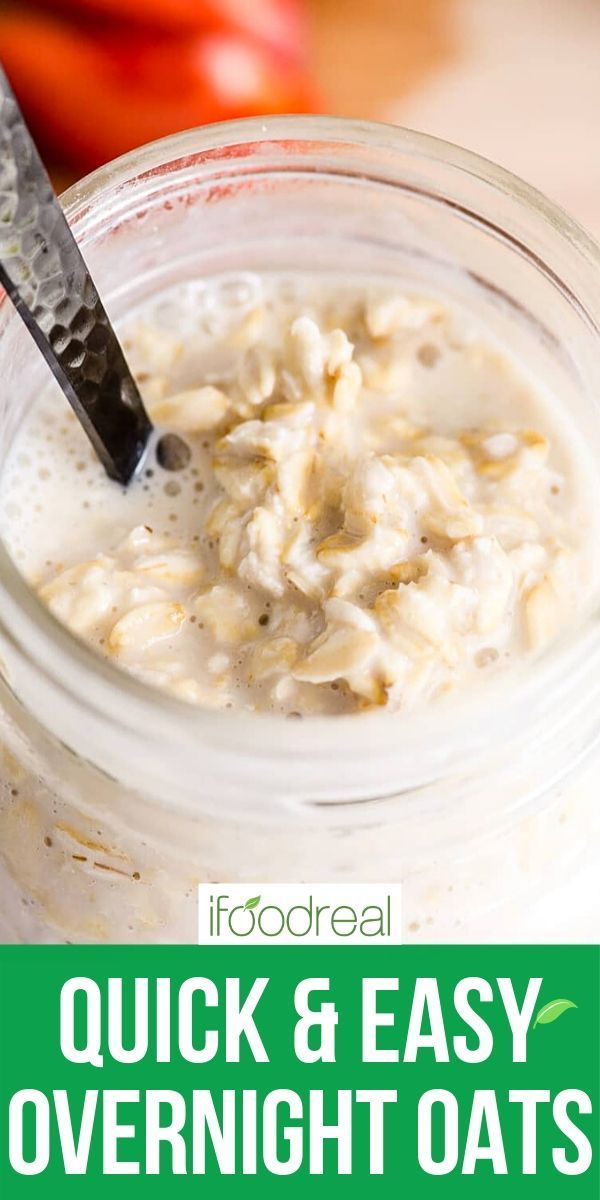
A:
[(525, 92)]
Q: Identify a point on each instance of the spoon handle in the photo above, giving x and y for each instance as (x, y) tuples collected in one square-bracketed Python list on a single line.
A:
[(44, 273)]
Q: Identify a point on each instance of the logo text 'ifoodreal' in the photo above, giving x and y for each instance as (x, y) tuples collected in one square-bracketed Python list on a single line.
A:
[(324, 914)]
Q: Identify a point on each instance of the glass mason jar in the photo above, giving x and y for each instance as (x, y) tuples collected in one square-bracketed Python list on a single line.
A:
[(116, 800)]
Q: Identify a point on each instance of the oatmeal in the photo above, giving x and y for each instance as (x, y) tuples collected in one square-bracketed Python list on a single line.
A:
[(372, 506)]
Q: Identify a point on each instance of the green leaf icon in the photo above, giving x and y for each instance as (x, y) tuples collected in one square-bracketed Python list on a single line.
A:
[(552, 1011), (252, 903)]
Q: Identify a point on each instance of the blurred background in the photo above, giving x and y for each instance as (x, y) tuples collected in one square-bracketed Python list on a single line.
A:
[(515, 80)]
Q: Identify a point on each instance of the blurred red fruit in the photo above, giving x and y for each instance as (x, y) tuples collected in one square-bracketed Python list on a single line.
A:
[(277, 23), (90, 96)]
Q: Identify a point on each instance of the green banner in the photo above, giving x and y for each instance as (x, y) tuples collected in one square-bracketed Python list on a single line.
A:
[(440, 1071)]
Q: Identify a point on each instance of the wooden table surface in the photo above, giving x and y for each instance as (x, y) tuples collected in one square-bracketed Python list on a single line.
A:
[(515, 80)]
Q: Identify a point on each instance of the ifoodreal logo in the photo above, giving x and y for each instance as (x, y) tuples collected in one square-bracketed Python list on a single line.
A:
[(309, 914)]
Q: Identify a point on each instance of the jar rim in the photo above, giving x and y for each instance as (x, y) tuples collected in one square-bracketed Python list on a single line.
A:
[(326, 128), (118, 697)]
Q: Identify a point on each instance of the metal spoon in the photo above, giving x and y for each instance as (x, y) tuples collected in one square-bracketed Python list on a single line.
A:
[(43, 272)]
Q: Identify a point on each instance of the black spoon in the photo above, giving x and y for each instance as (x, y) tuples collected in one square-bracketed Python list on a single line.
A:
[(43, 272)]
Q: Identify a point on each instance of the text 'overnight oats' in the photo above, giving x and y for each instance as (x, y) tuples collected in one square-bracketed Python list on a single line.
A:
[(378, 505)]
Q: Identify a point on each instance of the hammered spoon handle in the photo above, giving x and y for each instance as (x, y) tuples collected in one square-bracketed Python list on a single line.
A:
[(44, 274)]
